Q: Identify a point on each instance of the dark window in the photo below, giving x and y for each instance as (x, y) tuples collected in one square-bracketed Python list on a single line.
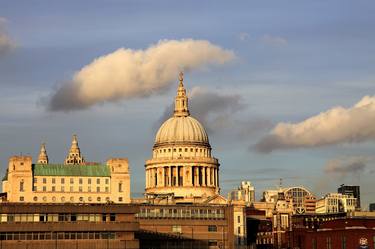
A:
[(112, 217), (212, 228)]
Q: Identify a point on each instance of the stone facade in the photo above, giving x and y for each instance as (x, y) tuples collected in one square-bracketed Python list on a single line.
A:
[(67, 183), (182, 163)]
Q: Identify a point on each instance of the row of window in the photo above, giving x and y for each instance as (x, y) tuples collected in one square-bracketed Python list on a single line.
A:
[(80, 180), (62, 188), (71, 189), (180, 150), (57, 217), (178, 228), (56, 235), (181, 213), (71, 199)]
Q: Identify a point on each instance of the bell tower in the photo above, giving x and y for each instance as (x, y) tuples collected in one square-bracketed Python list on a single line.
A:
[(74, 155), (43, 157)]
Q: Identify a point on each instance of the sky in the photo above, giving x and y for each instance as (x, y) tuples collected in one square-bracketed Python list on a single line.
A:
[(285, 89)]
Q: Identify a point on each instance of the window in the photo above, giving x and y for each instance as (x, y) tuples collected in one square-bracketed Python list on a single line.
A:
[(343, 242), (329, 243), (212, 228), (44, 188), (35, 180), (98, 199), (35, 198), (53, 198), (112, 217), (22, 198), (97, 189), (62, 180), (44, 198), (176, 229), (71, 189), (71, 180), (22, 186), (90, 198), (81, 198), (62, 189), (89, 181), (80, 180), (44, 180), (80, 188), (106, 181), (313, 243), (239, 230), (72, 199), (212, 243), (98, 181), (120, 199), (53, 180), (106, 189), (120, 187), (238, 219), (89, 188), (53, 188)]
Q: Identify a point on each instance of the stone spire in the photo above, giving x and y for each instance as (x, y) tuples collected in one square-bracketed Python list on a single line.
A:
[(181, 102), (43, 157), (74, 156)]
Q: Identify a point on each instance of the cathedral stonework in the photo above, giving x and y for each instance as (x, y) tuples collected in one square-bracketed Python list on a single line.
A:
[(182, 164)]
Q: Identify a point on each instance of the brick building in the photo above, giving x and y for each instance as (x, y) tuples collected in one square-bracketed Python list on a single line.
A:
[(47, 226)]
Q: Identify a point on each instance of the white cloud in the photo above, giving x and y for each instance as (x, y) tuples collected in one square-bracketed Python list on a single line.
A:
[(274, 40), (335, 126), (128, 73)]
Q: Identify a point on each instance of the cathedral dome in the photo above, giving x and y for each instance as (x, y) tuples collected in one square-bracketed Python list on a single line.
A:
[(181, 130)]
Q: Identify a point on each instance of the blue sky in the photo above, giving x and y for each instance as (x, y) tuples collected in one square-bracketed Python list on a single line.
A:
[(294, 60)]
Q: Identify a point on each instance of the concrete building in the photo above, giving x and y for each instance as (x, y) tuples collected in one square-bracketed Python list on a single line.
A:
[(336, 203), (182, 164), (300, 198), (245, 192), (351, 190), (186, 226), (75, 181)]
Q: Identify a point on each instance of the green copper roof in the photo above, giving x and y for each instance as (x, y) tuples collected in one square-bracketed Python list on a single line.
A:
[(70, 170)]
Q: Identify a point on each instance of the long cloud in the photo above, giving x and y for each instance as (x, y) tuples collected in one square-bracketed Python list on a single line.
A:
[(347, 165), (335, 126), (128, 73)]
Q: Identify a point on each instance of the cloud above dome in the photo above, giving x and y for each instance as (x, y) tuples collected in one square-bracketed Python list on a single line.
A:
[(335, 126), (128, 73), (214, 110)]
